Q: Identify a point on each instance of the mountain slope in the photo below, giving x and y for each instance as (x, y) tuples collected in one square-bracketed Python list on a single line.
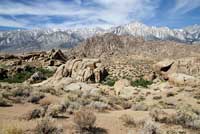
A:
[(111, 44), (46, 39)]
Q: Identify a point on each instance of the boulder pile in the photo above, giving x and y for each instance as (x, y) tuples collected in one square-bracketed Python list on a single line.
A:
[(81, 70), (84, 70), (182, 71)]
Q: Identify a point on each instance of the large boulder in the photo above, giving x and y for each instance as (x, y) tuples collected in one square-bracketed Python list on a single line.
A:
[(189, 66), (182, 79), (184, 71), (120, 85), (36, 77), (82, 87), (164, 68)]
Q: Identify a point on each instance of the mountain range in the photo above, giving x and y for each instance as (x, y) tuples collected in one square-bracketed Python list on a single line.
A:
[(46, 39)]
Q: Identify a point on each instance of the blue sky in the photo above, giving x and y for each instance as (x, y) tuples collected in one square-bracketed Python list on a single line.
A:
[(28, 14)]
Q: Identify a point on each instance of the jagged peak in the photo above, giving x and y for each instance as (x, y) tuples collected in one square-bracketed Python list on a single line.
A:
[(136, 24)]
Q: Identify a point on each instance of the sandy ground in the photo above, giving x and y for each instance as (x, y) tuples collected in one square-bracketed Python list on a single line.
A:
[(109, 121)]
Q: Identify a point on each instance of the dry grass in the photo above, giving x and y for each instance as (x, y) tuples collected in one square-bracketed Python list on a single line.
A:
[(11, 129)]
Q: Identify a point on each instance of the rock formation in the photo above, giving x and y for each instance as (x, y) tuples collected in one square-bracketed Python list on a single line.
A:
[(112, 45), (82, 70), (181, 71), (57, 55), (36, 77)]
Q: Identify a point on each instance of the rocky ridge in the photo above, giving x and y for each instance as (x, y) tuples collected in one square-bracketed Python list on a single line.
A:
[(46, 39)]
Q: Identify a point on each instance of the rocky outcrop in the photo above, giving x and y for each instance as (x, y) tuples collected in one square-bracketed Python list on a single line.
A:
[(184, 71), (81, 70), (84, 70), (164, 68), (57, 55)]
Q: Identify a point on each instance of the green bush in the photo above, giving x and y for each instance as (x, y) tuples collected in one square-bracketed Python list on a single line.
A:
[(25, 75), (141, 83), (109, 81), (3, 66), (18, 77), (47, 73)]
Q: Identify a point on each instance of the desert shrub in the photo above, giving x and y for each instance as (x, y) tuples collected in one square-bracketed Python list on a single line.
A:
[(35, 97), (113, 100), (157, 97), (150, 127), (71, 103), (128, 120), (140, 98), (188, 117), (11, 129), (73, 107), (84, 120), (159, 115), (139, 107), (50, 90), (141, 83), (6, 94), (45, 126), (33, 114), (185, 116), (3, 102), (176, 131), (21, 92), (126, 104), (197, 96), (100, 106), (55, 110)]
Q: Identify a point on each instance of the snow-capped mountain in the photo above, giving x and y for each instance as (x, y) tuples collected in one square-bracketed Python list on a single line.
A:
[(150, 33), (193, 34), (46, 39)]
